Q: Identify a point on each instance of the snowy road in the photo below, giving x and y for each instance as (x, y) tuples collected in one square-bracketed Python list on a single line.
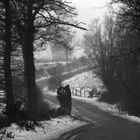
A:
[(108, 127), (105, 125)]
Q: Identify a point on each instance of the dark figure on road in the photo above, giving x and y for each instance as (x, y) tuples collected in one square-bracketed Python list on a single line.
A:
[(64, 97)]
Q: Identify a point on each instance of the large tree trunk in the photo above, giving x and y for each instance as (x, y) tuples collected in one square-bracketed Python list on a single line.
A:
[(29, 61), (7, 56)]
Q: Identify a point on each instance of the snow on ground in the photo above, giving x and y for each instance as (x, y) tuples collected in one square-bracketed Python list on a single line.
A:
[(53, 93), (54, 128), (42, 78), (51, 129), (108, 108), (86, 79)]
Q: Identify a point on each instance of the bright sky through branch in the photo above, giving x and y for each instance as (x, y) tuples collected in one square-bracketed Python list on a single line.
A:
[(87, 11), (90, 9)]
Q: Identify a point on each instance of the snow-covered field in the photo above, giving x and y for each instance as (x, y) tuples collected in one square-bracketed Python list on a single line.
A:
[(86, 79)]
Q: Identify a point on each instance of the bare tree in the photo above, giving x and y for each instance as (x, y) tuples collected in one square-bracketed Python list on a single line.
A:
[(114, 48), (37, 17), (129, 14)]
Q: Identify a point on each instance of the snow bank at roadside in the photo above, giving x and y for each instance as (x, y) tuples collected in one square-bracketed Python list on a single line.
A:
[(51, 130), (109, 108)]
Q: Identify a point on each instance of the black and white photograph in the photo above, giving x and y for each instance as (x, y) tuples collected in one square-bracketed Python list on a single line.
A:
[(69, 69)]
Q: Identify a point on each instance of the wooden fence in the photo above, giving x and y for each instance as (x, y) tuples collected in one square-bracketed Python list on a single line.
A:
[(85, 92)]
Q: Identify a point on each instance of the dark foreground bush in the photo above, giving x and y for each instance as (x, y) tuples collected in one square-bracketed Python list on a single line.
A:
[(17, 114)]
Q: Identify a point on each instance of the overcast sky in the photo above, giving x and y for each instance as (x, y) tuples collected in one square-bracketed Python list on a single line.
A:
[(89, 9)]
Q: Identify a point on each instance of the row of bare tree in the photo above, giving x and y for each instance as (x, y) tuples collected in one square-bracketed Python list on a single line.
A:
[(25, 26), (114, 47)]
